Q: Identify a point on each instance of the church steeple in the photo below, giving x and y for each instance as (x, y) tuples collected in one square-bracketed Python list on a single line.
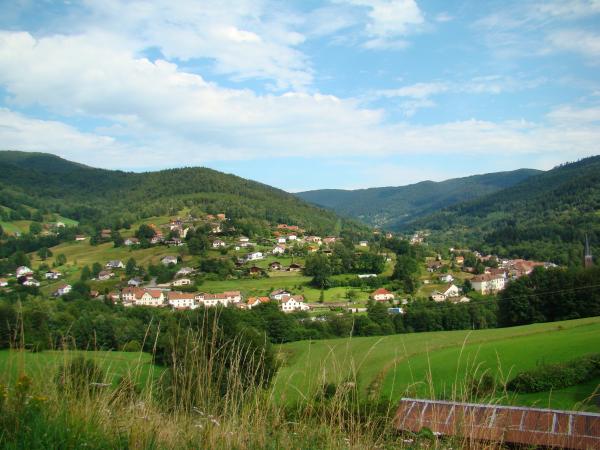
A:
[(588, 260)]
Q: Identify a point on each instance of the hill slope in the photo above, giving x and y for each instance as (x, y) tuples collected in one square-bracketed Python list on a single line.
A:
[(98, 196), (396, 207), (544, 217)]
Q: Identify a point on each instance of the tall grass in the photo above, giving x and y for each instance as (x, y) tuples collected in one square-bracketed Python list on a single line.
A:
[(213, 393)]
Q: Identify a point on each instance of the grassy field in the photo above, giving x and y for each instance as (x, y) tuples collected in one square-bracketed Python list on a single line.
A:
[(44, 365), (436, 364), (16, 226)]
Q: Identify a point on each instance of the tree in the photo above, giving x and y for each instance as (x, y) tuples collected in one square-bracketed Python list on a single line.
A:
[(117, 239), (35, 228), (145, 232), (61, 259), (1, 231), (86, 273), (130, 267), (96, 269), (44, 253)]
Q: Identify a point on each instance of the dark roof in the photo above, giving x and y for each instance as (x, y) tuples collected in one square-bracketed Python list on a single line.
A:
[(511, 424)]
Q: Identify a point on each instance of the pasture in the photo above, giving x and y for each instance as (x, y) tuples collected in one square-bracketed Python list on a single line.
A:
[(438, 364), (44, 365)]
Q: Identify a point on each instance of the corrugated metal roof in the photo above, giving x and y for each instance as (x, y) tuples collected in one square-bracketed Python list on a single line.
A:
[(510, 424)]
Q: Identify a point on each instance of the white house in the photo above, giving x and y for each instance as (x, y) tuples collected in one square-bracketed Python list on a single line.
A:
[(254, 256), (281, 240), (182, 300), (184, 271), (243, 239), (62, 290), (278, 250), (292, 237), (255, 301), (169, 260), (105, 275), (451, 291), (218, 243), (363, 243), (52, 275), (382, 295), (293, 303), (182, 282), (279, 294), (488, 283), (131, 241), (80, 237), (115, 264), (447, 278), (23, 271), (31, 282)]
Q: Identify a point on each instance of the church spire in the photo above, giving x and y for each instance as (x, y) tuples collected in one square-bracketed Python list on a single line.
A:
[(588, 260)]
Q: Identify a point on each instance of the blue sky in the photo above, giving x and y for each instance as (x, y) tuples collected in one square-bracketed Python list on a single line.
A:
[(306, 94)]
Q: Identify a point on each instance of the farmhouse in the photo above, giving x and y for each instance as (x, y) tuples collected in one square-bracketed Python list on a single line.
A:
[(115, 264), (276, 265), (255, 270), (181, 300), (182, 282), (184, 271), (105, 275), (278, 250), (279, 294), (281, 240), (143, 297), (131, 241), (293, 303), (446, 278), (488, 283), (224, 298), (169, 260), (255, 301), (52, 275), (254, 256), (218, 243), (23, 271), (294, 267), (31, 282), (363, 243), (382, 295), (62, 290)]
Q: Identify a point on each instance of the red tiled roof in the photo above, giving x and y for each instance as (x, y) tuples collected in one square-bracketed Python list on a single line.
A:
[(508, 424)]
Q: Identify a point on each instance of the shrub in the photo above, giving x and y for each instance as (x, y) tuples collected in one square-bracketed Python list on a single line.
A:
[(556, 376), (132, 346), (79, 375)]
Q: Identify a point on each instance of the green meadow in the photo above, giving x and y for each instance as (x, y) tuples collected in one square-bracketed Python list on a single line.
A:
[(438, 364), (44, 365)]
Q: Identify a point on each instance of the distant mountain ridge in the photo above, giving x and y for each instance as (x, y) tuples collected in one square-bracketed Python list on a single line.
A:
[(90, 195), (396, 208), (544, 217)]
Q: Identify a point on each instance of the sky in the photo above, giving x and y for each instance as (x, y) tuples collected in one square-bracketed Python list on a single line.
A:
[(304, 94)]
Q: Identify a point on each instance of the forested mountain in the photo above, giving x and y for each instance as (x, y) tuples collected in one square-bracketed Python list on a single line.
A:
[(105, 197), (395, 208), (544, 217)]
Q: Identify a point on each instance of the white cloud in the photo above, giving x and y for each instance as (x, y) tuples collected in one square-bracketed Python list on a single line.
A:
[(390, 22), (571, 115), (583, 42), (245, 39), (159, 115)]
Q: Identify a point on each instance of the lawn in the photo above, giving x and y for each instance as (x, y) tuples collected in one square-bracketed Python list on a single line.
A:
[(44, 365), (16, 226), (400, 365)]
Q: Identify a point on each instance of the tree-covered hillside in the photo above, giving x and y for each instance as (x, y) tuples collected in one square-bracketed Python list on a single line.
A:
[(544, 217), (104, 197), (396, 207)]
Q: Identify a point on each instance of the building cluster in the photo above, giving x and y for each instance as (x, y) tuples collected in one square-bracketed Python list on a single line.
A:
[(157, 297)]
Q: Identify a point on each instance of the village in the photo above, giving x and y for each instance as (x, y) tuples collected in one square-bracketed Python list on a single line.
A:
[(455, 279)]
